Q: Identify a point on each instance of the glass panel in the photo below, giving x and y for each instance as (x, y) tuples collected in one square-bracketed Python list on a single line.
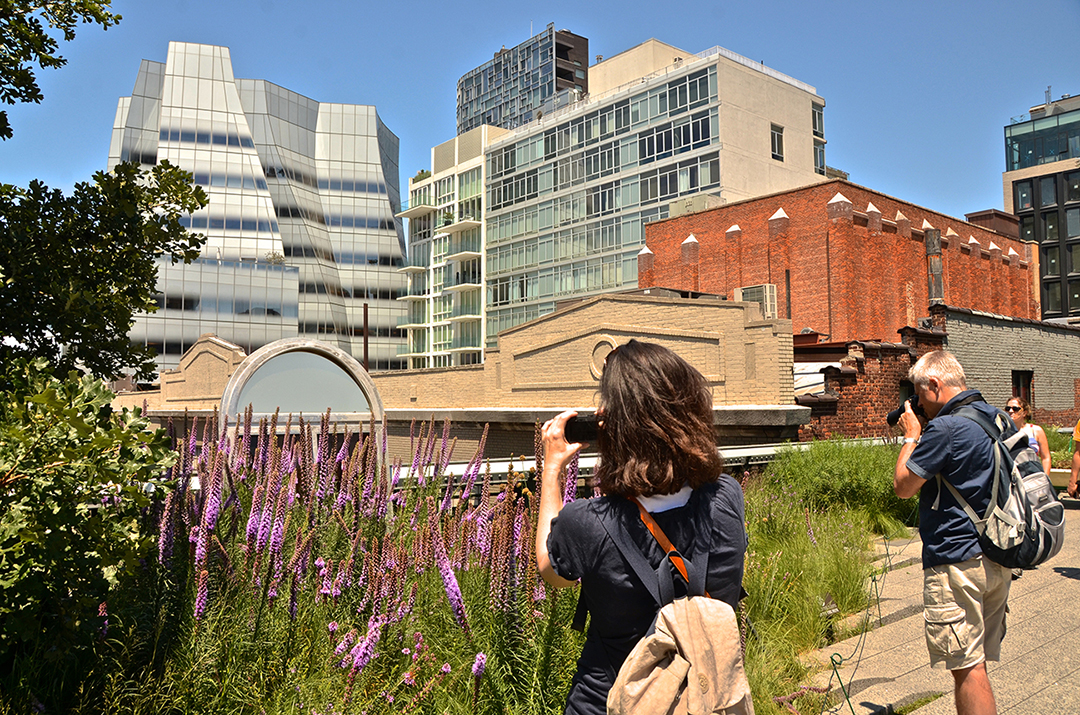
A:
[(1050, 226), (1053, 297), (1048, 191), (1027, 228), (1073, 251), (1072, 223), (1051, 261), (302, 382), (1074, 296), (1023, 196), (1072, 186)]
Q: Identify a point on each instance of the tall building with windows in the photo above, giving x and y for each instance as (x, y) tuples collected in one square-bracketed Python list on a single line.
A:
[(1041, 185), (519, 84), (301, 234), (566, 196)]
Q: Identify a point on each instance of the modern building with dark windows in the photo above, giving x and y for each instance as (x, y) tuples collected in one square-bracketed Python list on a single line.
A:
[(521, 218), (1041, 186), (302, 239), (520, 84)]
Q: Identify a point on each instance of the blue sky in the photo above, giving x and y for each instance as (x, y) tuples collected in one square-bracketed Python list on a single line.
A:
[(917, 92)]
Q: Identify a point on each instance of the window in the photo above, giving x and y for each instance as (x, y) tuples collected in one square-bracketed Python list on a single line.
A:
[(1023, 195), (1052, 302), (1073, 251), (1072, 186), (819, 120), (1074, 296), (1050, 226), (1021, 384), (1072, 223), (777, 143), (1048, 191), (1027, 228), (819, 157), (1052, 261)]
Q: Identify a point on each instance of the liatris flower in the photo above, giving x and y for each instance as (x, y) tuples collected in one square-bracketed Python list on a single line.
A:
[(346, 642), (103, 612), (167, 530), (479, 664), (453, 591), (445, 449), (294, 599), (570, 492), (445, 669), (332, 626), (202, 594), (810, 527), (325, 573)]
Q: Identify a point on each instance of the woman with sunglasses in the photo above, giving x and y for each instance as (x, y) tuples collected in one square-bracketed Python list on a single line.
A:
[(657, 447), (1020, 411)]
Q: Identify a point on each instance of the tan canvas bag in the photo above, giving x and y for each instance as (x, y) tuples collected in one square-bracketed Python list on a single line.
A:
[(692, 661)]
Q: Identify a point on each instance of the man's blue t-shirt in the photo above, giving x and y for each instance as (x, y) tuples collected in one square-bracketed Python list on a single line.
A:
[(961, 452)]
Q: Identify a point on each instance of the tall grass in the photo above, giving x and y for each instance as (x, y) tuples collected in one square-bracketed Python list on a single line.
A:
[(315, 574)]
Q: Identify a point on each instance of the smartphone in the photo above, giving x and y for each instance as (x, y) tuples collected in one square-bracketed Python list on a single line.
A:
[(582, 428)]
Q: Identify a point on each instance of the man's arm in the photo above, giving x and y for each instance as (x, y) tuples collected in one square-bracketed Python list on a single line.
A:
[(905, 482), (1075, 470)]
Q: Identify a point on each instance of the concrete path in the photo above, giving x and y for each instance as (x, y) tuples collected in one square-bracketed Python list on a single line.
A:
[(888, 668)]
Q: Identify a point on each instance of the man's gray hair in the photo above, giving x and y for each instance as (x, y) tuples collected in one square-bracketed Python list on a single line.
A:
[(940, 365)]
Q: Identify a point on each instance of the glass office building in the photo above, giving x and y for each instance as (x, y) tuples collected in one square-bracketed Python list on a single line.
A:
[(519, 84), (1042, 188), (566, 197), (300, 226)]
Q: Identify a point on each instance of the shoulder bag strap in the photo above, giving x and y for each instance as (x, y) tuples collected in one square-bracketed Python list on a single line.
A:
[(672, 554)]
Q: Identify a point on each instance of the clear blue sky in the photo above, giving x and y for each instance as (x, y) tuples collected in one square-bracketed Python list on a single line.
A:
[(917, 92)]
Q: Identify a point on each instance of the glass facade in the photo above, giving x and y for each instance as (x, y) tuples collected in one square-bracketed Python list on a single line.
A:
[(1049, 211), (567, 204), (302, 201), (1043, 140), (518, 84)]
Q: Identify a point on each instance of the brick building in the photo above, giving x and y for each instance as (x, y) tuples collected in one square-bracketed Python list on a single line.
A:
[(843, 260)]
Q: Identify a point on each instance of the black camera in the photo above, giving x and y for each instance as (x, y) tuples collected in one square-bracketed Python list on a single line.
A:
[(582, 428), (893, 417)]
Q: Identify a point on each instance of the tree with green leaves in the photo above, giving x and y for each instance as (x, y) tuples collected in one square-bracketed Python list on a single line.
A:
[(25, 41), (74, 269)]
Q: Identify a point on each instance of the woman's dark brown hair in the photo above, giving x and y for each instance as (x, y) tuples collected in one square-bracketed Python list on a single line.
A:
[(658, 423)]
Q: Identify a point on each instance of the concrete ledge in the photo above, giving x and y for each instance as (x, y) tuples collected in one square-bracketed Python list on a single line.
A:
[(726, 416)]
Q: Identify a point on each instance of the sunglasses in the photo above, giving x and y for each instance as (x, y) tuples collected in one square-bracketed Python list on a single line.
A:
[(1013, 408)]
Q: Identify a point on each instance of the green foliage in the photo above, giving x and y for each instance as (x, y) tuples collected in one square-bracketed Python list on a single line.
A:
[(1061, 447), (26, 42), (839, 472), (74, 477), (74, 269)]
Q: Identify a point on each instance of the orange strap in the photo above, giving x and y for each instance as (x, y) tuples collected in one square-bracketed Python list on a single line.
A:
[(664, 541)]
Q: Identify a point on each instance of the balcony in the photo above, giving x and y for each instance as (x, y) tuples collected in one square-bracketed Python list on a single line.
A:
[(416, 294), (462, 280), (418, 208), (410, 321), (461, 314), (411, 350), (448, 224), (462, 249), (465, 345), (416, 264)]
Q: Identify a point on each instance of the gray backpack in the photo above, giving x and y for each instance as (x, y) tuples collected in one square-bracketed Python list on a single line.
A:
[(1024, 523)]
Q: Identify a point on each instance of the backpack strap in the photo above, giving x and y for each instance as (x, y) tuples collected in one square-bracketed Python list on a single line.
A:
[(994, 431), (696, 584), (638, 563)]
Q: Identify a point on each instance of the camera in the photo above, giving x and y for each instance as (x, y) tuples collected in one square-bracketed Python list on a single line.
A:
[(893, 417), (582, 428)]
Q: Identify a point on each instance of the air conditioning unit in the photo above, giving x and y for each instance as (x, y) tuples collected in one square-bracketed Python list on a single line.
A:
[(764, 295)]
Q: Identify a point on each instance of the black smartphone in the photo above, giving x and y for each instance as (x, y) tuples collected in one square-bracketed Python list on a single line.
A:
[(582, 428)]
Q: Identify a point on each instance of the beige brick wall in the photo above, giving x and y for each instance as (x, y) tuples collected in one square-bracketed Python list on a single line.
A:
[(555, 361)]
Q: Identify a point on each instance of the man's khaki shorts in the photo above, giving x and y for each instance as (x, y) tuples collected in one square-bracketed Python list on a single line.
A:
[(964, 608)]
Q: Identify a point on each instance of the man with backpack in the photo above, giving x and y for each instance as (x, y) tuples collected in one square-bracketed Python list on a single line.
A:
[(964, 593)]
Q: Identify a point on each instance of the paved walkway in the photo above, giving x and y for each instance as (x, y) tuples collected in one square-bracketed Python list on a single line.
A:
[(1039, 672)]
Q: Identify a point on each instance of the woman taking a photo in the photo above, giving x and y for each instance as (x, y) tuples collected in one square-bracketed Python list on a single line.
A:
[(1020, 411), (656, 445)]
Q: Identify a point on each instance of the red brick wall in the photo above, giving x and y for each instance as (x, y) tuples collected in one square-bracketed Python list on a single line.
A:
[(852, 277)]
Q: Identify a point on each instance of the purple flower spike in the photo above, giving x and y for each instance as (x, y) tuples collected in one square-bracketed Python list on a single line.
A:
[(479, 664), (571, 481), (202, 594), (445, 669), (453, 591)]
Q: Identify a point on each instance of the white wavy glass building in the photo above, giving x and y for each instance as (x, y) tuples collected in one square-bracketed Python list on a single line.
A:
[(300, 225)]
